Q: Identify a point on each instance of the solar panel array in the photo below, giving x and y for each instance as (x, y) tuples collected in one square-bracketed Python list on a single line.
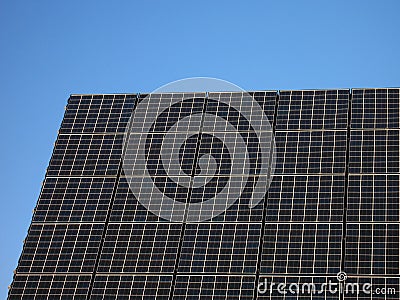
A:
[(332, 206)]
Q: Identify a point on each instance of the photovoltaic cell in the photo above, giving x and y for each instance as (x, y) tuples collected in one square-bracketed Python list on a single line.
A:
[(140, 248)]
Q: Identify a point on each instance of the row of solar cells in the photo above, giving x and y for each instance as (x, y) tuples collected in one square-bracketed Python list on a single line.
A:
[(309, 152), (222, 248), (297, 110), (371, 198), (196, 287)]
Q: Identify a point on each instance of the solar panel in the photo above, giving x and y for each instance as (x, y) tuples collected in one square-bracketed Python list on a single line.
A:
[(374, 151), (372, 249), (86, 155), (267, 101), (313, 110), (310, 152), (214, 287), (373, 198), (170, 196), (161, 111), (140, 248), (126, 207), (241, 111), (297, 248), (44, 286), (60, 248), (375, 108), (131, 287), (306, 198), (220, 248), (97, 113), (83, 199)]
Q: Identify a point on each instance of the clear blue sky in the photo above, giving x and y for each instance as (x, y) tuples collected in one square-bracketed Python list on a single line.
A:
[(50, 50)]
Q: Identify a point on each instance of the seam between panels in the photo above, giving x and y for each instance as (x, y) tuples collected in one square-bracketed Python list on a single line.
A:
[(107, 221), (264, 216), (182, 233), (346, 187)]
